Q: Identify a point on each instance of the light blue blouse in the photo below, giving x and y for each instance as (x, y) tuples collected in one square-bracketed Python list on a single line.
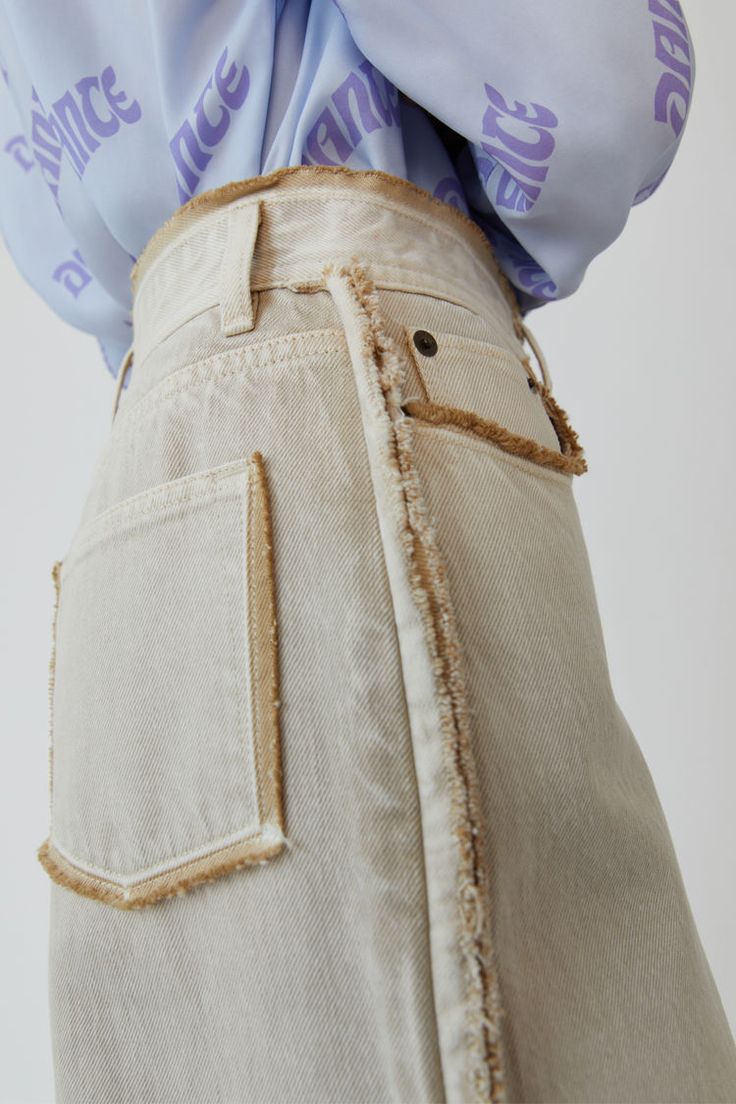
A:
[(544, 121)]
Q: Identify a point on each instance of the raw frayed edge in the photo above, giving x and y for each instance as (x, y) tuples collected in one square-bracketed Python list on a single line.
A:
[(64, 874), (268, 754), (566, 435), (264, 624), (403, 188), (431, 593), (569, 460)]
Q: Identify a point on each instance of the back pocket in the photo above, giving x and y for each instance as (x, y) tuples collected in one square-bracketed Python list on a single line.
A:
[(164, 751)]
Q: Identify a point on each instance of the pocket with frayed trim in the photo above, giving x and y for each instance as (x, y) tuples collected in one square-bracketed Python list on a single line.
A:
[(482, 390), (164, 746)]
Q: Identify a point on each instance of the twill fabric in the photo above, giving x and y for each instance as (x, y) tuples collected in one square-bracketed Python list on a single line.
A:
[(342, 804)]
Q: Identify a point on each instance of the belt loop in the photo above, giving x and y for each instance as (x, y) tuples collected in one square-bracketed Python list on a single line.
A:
[(120, 380), (546, 377), (236, 298)]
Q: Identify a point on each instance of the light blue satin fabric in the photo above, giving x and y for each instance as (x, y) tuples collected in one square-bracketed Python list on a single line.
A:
[(561, 117)]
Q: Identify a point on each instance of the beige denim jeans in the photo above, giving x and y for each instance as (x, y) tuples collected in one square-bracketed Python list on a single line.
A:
[(343, 809)]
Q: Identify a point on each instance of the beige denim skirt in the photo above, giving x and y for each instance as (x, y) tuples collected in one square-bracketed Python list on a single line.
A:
[(343, 809)]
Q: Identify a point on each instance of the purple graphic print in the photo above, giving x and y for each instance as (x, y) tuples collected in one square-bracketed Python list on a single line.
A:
[(518, 265), (17, 147), (190, 147), (648, 189), (450, 190), (527, 274), (377, 104), (672, 49), (522, 144), (88, 114), (46, 145), (75, 124), (73, 275)]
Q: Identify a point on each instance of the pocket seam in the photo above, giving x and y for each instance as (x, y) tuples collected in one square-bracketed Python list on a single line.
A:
[(183, 871), (263, 638), (510, 365), (182, 489), (456, 438), (489, 432)]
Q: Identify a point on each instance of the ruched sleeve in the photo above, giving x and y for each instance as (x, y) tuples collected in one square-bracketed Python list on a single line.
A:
[(572, 112)]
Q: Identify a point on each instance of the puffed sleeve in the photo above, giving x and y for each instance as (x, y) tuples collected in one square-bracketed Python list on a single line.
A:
[(572, 113)]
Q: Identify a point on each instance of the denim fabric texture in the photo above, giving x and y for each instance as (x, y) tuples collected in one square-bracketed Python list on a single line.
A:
[(343, 809)]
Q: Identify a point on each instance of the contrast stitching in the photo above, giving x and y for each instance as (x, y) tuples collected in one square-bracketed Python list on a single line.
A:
[(430, 590)]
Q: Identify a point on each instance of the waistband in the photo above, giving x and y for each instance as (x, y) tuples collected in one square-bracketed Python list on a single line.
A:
[(281, 229)]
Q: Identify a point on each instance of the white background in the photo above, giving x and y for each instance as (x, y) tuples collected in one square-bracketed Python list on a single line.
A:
[(643, 360)]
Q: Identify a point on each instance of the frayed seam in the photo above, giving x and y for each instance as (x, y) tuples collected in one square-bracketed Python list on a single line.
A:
[(570, 460), (264, 646), (264, 658), (361, 178), (427, 577), (566, 435), (62, 872)]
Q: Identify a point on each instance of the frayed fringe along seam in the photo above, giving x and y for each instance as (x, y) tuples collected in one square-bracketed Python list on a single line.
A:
[(572, 450), (65, 874), (570, 460), (263, 653), (264, 645), (366, 181), (483, 1012)]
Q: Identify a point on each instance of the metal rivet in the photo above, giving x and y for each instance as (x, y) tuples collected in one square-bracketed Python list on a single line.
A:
[(425, 343)]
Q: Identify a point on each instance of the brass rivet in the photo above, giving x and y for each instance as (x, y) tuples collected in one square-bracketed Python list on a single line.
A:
[(425, 343)]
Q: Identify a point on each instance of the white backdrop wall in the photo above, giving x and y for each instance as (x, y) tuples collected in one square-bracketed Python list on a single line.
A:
[(641, 357)]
